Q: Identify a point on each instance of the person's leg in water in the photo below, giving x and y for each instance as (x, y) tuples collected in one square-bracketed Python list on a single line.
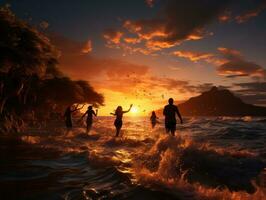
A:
[(89, 125), (170, 127), (68, 130), (167, 128), (117, 131), (153, 123), (173, 128), (68, 125), (118, 125), (173, 131)]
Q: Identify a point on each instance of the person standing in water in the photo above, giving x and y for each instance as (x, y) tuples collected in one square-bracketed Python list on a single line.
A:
[(68, 116), (90, 112), (119, 115), (170, 112), (153, 119)]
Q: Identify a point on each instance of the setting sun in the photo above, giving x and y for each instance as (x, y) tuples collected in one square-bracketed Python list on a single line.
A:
[(134, 110)]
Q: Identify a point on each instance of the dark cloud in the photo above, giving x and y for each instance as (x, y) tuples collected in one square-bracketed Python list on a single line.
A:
[(188, 17), (229, 16), (203, 87), (231, 63), (170, 83), (178, 21), (252, 92), (236, 75), (44, 25), (230, 54), (247, 15), (183, 86), (66, 45), (257, 99), (237, 66), (150, 3), (252, 87)]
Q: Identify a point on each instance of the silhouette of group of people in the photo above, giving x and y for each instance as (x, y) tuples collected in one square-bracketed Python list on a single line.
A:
[(170, 111)]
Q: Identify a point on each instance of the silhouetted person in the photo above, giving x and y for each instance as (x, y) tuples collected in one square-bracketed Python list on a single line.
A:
[(119, 115), (68, 116), (153, 119), (169, 112), (90, 112)]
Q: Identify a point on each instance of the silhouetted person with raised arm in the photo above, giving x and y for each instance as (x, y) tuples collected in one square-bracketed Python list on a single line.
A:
[(90, 112), (153, 119), (169, 112), (119, 115), (68, 116)]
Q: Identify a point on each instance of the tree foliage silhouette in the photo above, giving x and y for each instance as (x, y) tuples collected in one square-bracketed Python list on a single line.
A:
[(30, 80)]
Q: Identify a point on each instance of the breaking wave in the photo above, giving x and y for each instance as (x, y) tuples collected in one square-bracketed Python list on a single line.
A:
[(210, 158)]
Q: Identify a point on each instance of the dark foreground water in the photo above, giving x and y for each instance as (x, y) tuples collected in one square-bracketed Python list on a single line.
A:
[(211, 158)]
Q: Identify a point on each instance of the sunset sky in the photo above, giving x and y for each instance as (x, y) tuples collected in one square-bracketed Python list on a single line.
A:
[(145, 51)]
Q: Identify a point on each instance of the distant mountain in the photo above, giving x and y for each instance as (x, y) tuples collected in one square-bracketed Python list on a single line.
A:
[(216, 102)]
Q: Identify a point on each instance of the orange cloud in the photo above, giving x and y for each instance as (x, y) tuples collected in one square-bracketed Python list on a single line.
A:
[(156, 45), (200, 56), (146, 29), (112, 36), (229, 53), (87, 47), (226, 16), (193, 56), (131, 40)]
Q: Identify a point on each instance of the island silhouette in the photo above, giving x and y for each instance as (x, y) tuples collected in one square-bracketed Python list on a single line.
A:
[(219, 102)]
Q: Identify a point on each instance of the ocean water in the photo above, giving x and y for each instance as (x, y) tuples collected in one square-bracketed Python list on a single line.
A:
[(209, 158)]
